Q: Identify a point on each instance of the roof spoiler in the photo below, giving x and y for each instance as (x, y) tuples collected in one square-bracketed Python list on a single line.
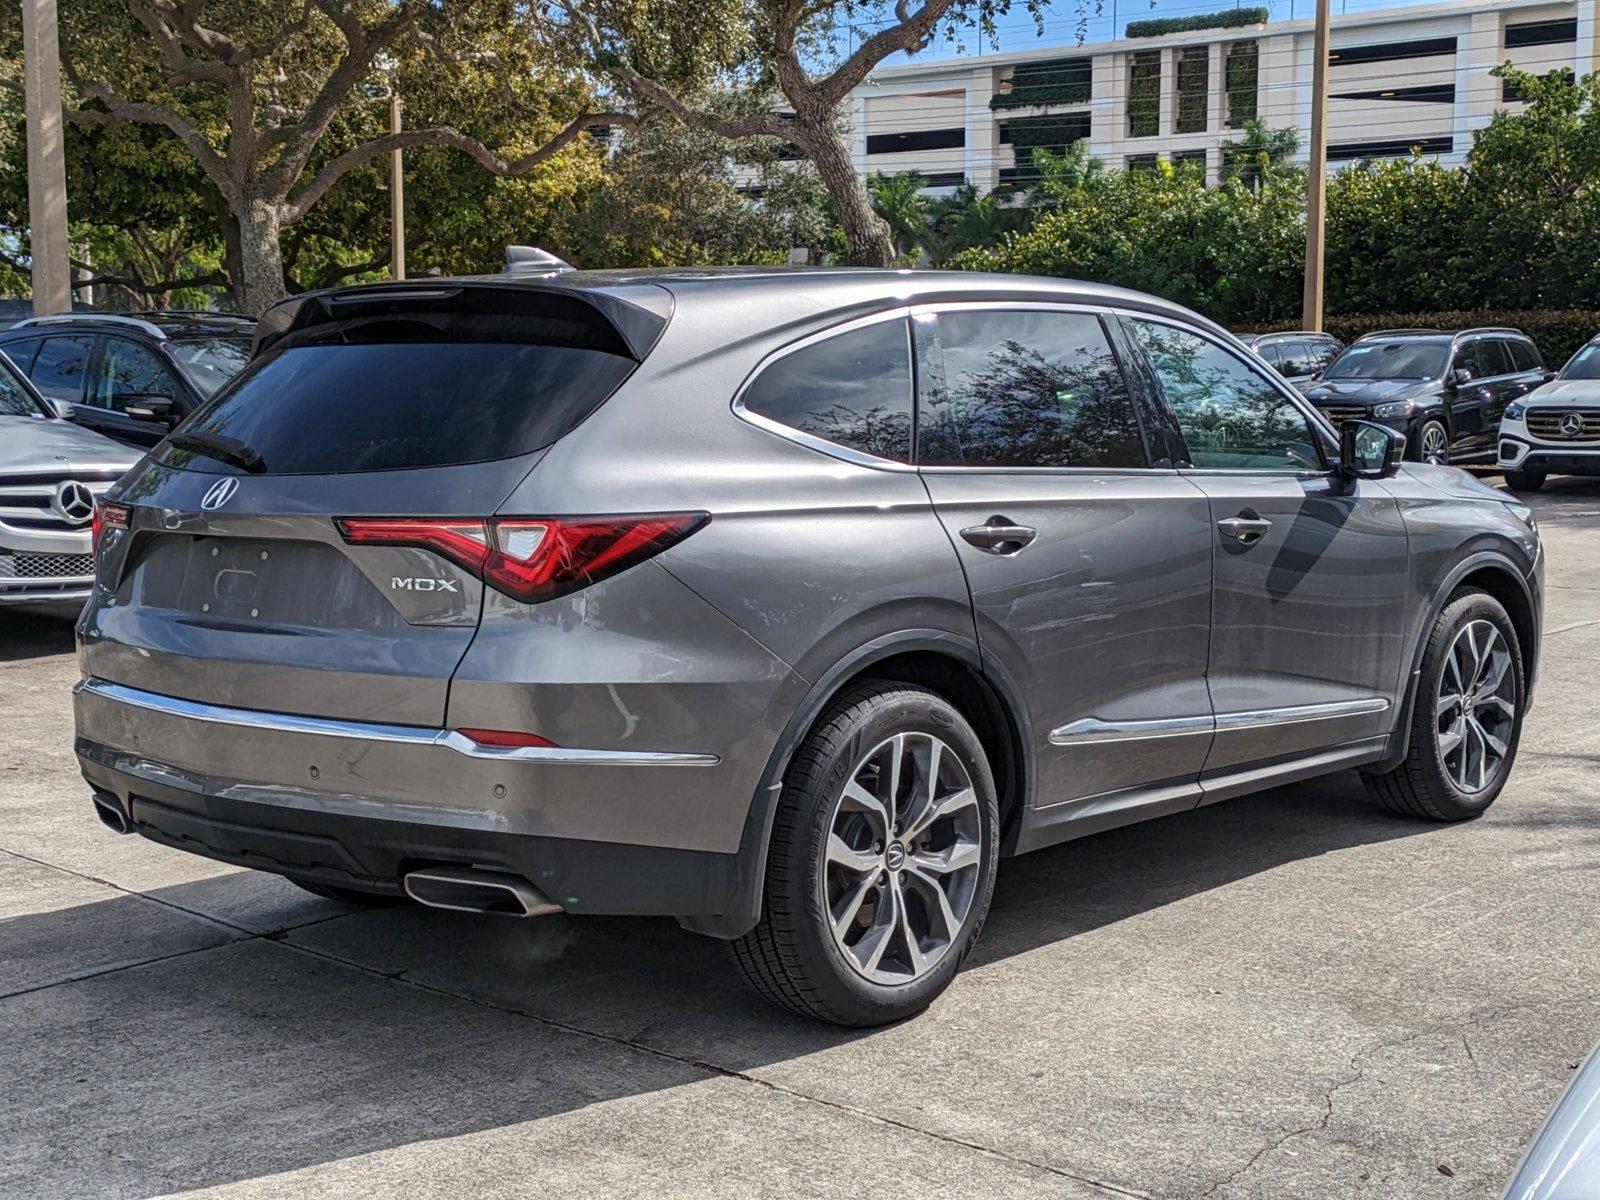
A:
[(531, 260)]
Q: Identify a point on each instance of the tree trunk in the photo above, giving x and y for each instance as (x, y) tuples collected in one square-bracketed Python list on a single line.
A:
[(868, 240), (259, 281)]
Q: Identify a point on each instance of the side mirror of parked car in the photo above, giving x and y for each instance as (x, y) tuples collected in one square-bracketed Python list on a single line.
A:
[(65, 409), (150, 408), (1460, 377), (1369, 451)]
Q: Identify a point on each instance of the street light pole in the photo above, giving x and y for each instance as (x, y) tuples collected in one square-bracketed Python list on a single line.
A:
[(1317, 177), (397, 192), (47, 163)]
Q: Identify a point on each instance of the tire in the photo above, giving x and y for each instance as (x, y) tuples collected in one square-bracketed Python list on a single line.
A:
[(826, 854), (332, 891), (1436, 779), (1431, 432), (1524, 481)]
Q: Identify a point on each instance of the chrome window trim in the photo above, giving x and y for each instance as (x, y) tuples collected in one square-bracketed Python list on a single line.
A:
[(1091, 731), (411, 735)]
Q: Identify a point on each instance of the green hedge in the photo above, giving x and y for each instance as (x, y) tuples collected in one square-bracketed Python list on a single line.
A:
[(1026, 97), (1558, 332), (1227, 19)]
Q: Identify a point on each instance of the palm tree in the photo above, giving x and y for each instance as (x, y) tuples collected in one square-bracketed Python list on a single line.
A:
[(898, 199), (1259, 152)]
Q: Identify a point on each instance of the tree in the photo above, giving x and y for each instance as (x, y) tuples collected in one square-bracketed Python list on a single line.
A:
[(1259, 152), (643, 45), (899, 201), (252, 88)]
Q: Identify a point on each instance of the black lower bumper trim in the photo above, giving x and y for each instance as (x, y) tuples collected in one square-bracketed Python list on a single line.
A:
[(373, 855)]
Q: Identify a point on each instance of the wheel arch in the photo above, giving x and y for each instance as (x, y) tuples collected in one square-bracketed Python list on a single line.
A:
[(945, 663), (1497, 575)]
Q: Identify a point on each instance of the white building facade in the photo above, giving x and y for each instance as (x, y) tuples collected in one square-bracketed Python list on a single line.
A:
[(1398, 78)]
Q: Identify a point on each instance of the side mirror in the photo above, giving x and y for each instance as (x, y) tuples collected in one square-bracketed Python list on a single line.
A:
[(1369, 451), (149, 408), (65, 409), (1461, 377)]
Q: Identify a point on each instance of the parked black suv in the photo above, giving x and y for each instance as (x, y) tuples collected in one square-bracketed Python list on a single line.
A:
[(131, 376), (1444, 391)]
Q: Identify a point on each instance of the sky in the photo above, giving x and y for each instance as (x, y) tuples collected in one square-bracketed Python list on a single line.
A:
[(1062, 26)]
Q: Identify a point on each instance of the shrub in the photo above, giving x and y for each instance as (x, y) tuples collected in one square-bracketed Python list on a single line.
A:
[(1226, 19)]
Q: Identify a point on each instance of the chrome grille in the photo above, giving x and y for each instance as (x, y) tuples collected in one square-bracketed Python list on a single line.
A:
[(1545, 423), (24, 564), (29, 501), (1338, 413)]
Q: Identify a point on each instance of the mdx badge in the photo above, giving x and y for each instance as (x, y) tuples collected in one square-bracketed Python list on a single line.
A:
[(399, 584), (219, 493)]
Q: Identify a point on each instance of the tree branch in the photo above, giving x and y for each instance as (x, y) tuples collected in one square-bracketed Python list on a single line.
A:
[(120, 111), (910, 33), (306, 197)]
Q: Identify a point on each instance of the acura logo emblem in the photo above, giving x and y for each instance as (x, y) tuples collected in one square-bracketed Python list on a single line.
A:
[(1572, 424), (74, 502), (219, 493)]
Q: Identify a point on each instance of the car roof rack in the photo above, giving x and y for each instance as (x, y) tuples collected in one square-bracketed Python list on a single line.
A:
[(1404, 332), (531, 260), (70, 318), (1492, 329)]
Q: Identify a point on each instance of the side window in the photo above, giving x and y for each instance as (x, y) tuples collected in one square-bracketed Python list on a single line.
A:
[(1297, 359), (1027, 389), (1323, 353), (129, 373), (852, 389), (1469, 358), (1231, 415), (21, 353), (1496, 357), (59, 367), (1271, 353), (1524, 357)]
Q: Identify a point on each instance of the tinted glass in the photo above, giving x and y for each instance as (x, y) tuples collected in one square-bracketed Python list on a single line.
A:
[(386, 406), (59, 367), (1469, 358), (1028, 389), (130, 373), (1496, 357), (208, 363), (1271, 352), (1523, 356), (21, 353), (1322, 353), (1390, 360), (14, 398), (852, 389), (1585, 364), (1297, 359), (1231, 415)]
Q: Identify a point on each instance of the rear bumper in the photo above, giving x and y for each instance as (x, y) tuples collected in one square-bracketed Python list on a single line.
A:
[(361, 805)]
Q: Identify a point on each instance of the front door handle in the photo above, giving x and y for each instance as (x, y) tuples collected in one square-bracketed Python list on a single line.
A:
[(998, 535), (1246, 527)]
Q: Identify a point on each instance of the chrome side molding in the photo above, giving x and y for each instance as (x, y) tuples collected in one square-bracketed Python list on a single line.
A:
[(1091, 731), (413, 735)]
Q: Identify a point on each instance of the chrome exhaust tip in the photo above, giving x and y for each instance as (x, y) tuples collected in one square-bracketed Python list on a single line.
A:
[(467, 889), (111, 814)]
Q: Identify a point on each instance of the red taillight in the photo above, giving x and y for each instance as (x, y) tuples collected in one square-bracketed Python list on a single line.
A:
[(505, 737), (106, 516), (532, 559)]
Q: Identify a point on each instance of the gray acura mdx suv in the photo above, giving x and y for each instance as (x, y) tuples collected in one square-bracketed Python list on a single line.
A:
[(785, 603)]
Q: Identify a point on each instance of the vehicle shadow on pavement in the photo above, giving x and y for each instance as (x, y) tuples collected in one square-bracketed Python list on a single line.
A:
[(346, 1033), (25, 633)]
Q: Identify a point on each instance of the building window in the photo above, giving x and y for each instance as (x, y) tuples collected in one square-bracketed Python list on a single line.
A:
[(1142, 162), (1426, 93), (1189, 160), (1058, 81), (1347, 56), (1390, 148), (1027, 134), (1541, 33), (1243, 73), (917, 139), (1144, 94), (1194, 89)]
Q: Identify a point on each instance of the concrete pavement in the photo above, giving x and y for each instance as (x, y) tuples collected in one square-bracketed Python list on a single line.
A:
[(1294, 994)]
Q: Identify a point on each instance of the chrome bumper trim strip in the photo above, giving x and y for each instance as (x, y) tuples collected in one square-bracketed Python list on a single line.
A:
[(414, 735), (1090, 731)]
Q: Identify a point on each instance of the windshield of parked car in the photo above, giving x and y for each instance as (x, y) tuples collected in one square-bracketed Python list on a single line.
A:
[(1390, 360), (15, 400), (1585, 364), (208, 363)]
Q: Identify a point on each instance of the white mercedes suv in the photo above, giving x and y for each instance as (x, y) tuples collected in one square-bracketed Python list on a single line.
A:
[(1555, 429)]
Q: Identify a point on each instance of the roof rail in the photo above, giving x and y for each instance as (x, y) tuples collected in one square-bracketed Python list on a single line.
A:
[(115, 318), (531, 260), (1492, 329), (203, 313), (1399, 332)]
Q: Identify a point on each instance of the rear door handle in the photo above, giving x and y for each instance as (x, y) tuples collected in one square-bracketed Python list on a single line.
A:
[(1247, 527), (998, 535)]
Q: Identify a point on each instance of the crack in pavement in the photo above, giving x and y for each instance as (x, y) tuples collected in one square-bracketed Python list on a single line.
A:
[(276, 937)]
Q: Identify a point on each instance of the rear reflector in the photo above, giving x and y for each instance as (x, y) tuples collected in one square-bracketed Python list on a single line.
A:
[(106, 516), (532, 559), (504, 737)]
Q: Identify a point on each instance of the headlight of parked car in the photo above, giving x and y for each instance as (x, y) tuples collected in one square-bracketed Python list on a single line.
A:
[(1514, 411), (1400, 408)]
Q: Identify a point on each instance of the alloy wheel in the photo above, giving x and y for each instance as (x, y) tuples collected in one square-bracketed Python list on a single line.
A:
[(1435, 444), (905, 844), (1475, 707)]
